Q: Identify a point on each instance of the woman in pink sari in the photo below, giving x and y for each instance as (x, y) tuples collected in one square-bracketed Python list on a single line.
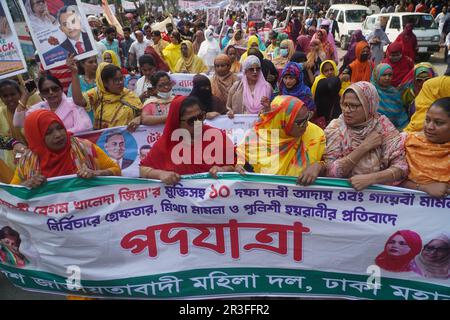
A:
[(74, 117)]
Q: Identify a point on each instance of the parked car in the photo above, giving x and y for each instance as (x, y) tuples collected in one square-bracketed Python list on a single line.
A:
[(350, 18), (425, 29)]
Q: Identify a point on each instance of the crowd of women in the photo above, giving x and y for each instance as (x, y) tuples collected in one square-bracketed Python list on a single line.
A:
[(378, 119)]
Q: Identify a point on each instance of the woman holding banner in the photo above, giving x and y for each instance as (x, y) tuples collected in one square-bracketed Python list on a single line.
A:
[(298, 148), (54, 152), (186, 117), (362, 144), (428, 152)]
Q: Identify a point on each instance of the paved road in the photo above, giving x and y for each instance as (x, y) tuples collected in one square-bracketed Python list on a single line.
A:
[(8, 291)]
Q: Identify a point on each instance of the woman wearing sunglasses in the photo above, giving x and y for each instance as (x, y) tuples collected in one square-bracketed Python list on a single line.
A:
[(181, 150), (250, 95), (75, 118), (362, 144), (284, 142)]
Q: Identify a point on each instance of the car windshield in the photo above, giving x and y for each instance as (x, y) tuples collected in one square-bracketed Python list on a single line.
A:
[(355, 15), (420, 21)]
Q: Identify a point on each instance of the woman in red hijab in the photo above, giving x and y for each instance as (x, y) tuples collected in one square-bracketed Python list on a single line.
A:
[(160, 64), (54, 152), (197, 147), (399, 251), (401, 64), (409, 41)]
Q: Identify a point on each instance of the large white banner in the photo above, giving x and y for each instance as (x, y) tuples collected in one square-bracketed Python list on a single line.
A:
[(258, 235), (136, 145), (12, 61), (58, 28)]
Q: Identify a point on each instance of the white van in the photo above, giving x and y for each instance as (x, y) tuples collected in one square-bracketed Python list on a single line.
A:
[(298, 9), (350, 18), (425, 29)]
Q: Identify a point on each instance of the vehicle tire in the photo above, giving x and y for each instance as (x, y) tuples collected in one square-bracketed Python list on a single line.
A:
[(344, 44)]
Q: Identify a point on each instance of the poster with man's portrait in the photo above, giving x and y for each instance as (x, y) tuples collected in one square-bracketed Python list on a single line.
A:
[(12, 61), (58, 28), (255, 10), (213, 16)]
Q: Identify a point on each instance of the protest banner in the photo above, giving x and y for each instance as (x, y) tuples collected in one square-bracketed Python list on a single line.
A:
[(255, 11), (12, 61), (256, 235), (58, 28), (128, 149), (182, 83), (213, 16)]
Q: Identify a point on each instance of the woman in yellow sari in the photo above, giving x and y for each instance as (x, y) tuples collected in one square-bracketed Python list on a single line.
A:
[(172, 53), (189, 62), (284, 142), (112, 103), (110, 56)]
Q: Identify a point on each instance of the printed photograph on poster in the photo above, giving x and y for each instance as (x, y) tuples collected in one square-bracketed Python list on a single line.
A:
[(12, 61), (255, 10), (213, 16), (58, 28)]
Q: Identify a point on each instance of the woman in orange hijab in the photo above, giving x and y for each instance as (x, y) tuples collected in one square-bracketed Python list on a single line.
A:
[(54, 152), (361, 68)]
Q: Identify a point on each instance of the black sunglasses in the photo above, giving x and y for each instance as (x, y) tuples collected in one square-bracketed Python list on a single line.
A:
[(191, 120)]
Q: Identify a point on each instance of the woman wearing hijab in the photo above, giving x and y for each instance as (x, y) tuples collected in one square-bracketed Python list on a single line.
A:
[(209, 103), (350, 56), (362, 144), (412, 84), (434, 260), (400, 63), (198, 40), (270, 50), (223, 78), (189, 62), (325, 91), (238, 39), (292, 84), (399, 251), (209, 49), (226, 40), (160, 163), (377, 40), (321, 35), (360, 69), (231, 52), (409, 41), (298, 149), (251, 94), (160, 64), (109, 56), (268, 69), (303, 41), (314, 59), (428, 152), (74, 117), (391, 104), (253, 42), (286, 50), (112, 104), (172, 53), (53, 152)]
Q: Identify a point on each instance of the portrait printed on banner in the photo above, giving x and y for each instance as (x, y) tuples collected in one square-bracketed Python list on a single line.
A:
[(58, 28), (120, 146), (10, 248), (12, 61), (213, 16), (255, 10)]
